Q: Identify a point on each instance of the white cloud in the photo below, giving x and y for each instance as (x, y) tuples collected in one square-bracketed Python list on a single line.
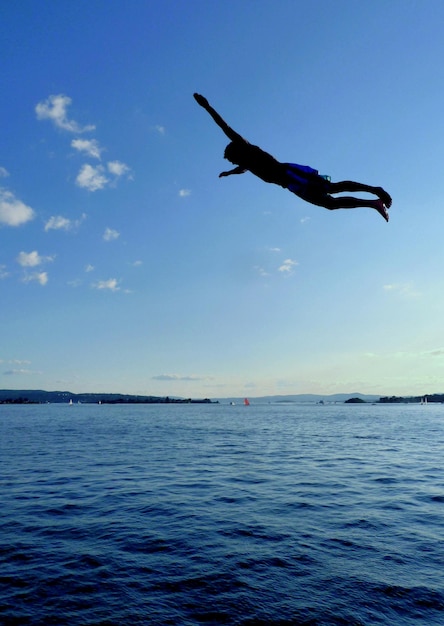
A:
[(303, 220), (57, 222), (39, 277), (74, 283), (191, 377), (89, 146), (89, 268), (288, 265), (137, 263), (261, 271), (160, 129), (117, 168), (91, 178), (403, 289), (13, 212), (94, 178), (3, 272), (111, 284), (110, 234), (32, 259), (54, 108), (3, 172), (434, 353), (19, 372), (183, 193)]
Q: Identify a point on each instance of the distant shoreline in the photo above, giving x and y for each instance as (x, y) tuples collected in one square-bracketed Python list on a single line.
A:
[(38, 396), (30, 396)]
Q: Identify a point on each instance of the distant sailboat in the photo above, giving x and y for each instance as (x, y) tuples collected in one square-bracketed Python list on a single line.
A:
[(70, 402), (246, 402)]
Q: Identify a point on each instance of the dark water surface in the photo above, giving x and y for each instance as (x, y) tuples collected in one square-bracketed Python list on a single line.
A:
[(196, 514)]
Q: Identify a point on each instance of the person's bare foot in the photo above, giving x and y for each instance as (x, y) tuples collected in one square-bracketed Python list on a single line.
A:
[(385, 197), (379, 206)]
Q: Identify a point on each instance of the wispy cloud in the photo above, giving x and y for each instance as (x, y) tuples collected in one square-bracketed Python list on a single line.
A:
[(436, 353), (39, 277), (269, 267), (3, 272), (19, 372), (13, 212), (287, 266), (179, 377), (3, 172), (402, 289), (261, 271), (89, 268), (157, 128), (433, 353), (112, 284), (57, 222), (74, 283), (54, 108), (32, 259), (184, 193), (110, 234), (88, 146)]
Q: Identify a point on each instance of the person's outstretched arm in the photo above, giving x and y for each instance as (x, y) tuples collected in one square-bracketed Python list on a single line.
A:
[(236, 170), (230, 133)]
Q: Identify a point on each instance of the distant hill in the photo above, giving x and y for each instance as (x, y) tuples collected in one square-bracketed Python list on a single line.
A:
[(38, 396), (29, 396)]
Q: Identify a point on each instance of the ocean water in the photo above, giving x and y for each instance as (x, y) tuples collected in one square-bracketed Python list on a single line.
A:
[(214, 514)]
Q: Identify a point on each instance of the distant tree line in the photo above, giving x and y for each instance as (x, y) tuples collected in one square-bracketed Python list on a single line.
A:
[(18, 400), (435, 397), (36, 396)]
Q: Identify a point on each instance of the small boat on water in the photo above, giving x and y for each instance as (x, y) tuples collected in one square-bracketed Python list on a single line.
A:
[(247, 402)]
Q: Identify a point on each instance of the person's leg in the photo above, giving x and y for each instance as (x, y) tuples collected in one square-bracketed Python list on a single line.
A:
[(347, 202), (349, 185)]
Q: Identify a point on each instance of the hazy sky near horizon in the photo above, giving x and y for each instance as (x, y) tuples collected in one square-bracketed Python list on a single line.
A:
[(127, 265)]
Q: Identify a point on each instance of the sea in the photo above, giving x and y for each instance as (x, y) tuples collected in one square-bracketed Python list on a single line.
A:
[(268, 514)]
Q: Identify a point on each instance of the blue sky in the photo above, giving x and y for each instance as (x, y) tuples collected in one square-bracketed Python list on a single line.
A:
[(127, 265)]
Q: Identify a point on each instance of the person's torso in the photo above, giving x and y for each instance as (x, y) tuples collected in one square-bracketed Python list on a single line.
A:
[(263, 165)]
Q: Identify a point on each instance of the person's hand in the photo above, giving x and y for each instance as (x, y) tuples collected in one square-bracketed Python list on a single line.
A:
[(201, 100)]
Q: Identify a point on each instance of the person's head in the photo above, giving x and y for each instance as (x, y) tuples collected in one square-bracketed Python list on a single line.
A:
[(234, 153)]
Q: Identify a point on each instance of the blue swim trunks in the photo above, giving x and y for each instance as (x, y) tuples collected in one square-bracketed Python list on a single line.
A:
[(301, 184)]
